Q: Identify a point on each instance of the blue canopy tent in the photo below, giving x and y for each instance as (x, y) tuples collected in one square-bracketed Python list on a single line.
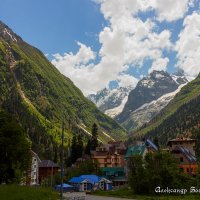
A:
[(66, 187)]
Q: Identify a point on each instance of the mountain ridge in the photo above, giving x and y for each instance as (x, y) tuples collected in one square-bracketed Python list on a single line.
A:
[(37, 94)]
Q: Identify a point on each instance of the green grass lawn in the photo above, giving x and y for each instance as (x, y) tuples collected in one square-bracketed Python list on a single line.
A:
[(126, 193), (14, 192)]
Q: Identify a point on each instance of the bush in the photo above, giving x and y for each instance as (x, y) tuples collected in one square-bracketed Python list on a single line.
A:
[(157, 169)]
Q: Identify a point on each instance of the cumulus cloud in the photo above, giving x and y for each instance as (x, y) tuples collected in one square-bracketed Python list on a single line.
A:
[(80, 59), (125, 80), (167, 10), (127, 41), (171, 10), (77, 66), (188, 45), (159, 64)]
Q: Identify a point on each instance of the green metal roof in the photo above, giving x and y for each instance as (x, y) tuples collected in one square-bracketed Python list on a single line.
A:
[(135, 150), (111, 171)]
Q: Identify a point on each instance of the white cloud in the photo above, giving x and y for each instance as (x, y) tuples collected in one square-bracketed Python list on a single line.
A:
[(166, 10), (77, 66), (159, 64), (125, 80), (125, 41), (188, 45), (171, 10), (83, 57)]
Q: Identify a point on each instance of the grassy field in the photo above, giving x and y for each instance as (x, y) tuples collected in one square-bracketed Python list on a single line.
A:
[(126, 193), (13, 192)]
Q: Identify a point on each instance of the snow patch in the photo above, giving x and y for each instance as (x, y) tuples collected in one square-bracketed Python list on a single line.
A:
[(147, 83), (6, 31), (117, 110), (163, 99), (159, 76)]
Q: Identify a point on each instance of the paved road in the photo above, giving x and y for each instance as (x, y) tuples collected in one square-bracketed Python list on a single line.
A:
[(92, 197), (83, 196)]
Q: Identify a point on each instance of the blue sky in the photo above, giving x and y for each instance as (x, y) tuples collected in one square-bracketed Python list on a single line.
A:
[(95, 42), (54, 26)]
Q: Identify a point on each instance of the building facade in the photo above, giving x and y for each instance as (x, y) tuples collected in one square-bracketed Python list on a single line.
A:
[(110, 155), (47, 168), (189, 143), (183, 149), (34, 169)]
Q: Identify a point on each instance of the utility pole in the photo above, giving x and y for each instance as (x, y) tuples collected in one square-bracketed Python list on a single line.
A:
[(62, 167), (52, 172)]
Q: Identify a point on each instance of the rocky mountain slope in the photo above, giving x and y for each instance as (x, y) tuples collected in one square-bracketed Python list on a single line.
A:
[(146, 112), (180, 116), (40, 97), (151, 94)]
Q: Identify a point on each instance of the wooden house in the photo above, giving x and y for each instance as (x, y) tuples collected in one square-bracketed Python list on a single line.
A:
[(47, 168)]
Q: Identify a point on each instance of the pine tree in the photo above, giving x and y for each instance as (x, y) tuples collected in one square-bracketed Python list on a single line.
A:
[(74, 149), (88, 147), (94, 140), (79, 147)]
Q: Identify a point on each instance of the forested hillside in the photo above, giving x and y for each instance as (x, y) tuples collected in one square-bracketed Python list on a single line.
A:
[(40, 98)]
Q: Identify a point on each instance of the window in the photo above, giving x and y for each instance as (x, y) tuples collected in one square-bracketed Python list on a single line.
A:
[(187, 170), (84, 186), (181, 159), (102, 185)]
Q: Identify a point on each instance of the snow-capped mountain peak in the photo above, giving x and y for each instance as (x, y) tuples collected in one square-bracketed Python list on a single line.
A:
[(108, 99), (146, 95)]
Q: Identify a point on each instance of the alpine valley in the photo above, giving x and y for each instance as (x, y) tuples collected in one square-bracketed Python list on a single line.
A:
[(39, 97)]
